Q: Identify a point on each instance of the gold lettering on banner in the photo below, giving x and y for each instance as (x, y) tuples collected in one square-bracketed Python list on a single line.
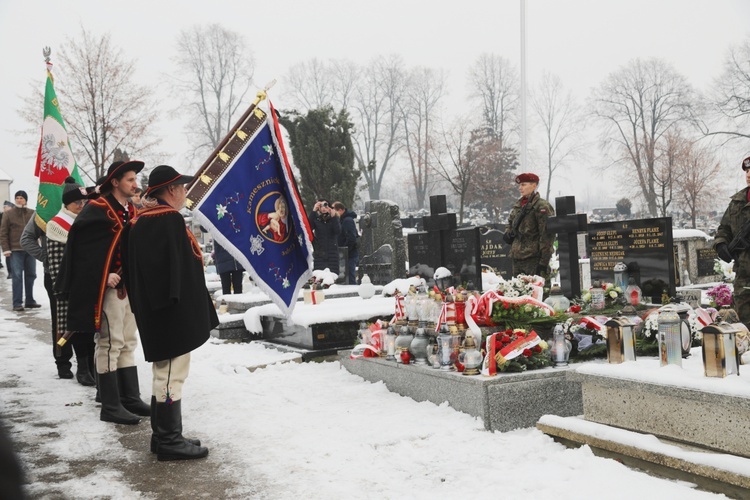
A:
[(223, 157)]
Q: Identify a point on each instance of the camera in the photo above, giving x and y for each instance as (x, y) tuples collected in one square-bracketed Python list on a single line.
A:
[(325, 204)]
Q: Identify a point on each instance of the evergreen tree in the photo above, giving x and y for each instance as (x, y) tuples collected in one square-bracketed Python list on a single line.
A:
[(623, 206), (322, 148)]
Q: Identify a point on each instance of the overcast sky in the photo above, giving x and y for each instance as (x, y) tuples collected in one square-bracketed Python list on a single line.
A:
[(582, 41)]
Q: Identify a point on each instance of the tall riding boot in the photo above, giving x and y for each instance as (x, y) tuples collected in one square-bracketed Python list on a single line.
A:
[(130, 392), (172, 446), (112, 409), (154, 438), (83, 371)]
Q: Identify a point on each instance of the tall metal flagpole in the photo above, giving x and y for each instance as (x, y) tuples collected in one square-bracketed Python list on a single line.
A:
[(523, 87)]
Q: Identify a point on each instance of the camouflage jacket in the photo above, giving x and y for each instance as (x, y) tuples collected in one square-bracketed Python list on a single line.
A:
[(532, 239), (737, 213)]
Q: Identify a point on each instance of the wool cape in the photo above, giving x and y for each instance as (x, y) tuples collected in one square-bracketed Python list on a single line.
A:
[(93, 246), (166, 283)]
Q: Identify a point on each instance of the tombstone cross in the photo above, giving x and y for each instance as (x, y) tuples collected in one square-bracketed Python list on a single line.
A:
[(567, 224)]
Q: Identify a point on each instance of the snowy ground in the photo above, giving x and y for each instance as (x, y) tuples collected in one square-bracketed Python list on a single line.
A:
[(287, 430)]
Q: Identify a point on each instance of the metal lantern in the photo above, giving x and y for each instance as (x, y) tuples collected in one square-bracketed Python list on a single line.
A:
[(669, 336), (621, 275), (620, 340), (720, 356), (686, 333), (390, 343)]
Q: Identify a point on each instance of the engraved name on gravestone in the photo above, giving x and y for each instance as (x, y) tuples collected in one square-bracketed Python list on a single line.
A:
[(705, 260), (461, 255), (645, 245), (495, 253)]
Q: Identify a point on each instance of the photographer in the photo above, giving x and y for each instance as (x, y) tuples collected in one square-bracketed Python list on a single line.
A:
[(326, 227)]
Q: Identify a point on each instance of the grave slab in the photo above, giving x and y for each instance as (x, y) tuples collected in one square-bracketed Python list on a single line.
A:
[(505, 402)]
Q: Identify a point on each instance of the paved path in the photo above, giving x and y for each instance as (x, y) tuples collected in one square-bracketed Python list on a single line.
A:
[(133, 467)]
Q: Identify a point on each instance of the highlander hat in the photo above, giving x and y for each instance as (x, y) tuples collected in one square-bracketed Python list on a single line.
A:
[(528, 177), (116, 169), (163, 176)]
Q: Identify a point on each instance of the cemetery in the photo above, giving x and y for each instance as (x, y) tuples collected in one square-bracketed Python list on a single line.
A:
[(631, 349)]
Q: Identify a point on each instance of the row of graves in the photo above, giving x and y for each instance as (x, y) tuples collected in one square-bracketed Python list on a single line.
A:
[(653, 376)]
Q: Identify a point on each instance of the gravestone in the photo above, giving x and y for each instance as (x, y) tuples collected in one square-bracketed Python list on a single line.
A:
[(495, 253), (695, 254), (567, 224), (443, 244), (381, 227), (646, 246)]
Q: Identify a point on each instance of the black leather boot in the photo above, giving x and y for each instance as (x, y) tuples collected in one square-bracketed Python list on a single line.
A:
[(83, 371), (112, 409), (130, 392), (154, 439), (171, 444)]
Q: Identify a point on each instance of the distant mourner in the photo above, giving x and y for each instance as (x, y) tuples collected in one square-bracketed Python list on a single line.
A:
[(526, 232), (90, 278), (173, 309), (731, 243)]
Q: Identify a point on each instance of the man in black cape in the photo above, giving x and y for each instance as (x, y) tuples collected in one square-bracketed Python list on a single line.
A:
[(173, 309), (90, 278)]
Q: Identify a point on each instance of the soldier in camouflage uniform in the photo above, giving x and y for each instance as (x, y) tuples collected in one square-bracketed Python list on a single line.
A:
[(736, 215), (531, 245)]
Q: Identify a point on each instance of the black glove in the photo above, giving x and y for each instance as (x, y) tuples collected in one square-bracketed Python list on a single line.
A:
[(723, 250), (507, 238), (541, 270)]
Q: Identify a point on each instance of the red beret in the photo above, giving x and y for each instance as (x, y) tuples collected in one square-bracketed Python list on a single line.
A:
[(528, 177), (746, 164)]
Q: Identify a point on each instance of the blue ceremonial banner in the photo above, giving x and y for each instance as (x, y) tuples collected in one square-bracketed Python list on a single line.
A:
[(248, 200)]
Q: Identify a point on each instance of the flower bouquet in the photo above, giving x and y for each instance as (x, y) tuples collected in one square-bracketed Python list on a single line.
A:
[(720, 296), (587, 341), (515, 350)]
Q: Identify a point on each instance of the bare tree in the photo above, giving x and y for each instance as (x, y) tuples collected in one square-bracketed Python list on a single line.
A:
[(699, 177), (638, 104), (668, 158), (418, 109), (730, 99), (375, 110), (450, 159), (494, 84), (311, 85), (104, 109), (492, 172), (561, 124), (218, 69)]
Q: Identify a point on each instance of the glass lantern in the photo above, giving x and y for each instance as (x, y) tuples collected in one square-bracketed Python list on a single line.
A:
[(621, 275), (403, 342), (560, 348), (390, 343), (410, 305), (447, 346), (471, 358), (669, 336), (556, 300), (720, 356), (620, 340), (633, 293), (597, 296)]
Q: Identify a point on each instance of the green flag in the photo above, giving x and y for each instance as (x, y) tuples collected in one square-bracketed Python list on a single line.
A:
[(55, 161)]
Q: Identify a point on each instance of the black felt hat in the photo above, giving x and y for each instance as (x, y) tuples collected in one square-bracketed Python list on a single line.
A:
[(163, 176), (116, 169)]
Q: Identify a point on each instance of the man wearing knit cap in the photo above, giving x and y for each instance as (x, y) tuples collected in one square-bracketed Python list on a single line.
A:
[(74, 198), (732, 222), (23, 265), (526, 232), (90, 279), (173, 309)]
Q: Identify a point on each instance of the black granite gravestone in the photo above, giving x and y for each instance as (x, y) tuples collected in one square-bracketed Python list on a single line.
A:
[(567, 224), (644, 245), (442, 244), (705, 260), (494, 253)]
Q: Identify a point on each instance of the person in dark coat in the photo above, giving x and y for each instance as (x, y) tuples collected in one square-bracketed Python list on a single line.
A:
[(230, 271), (349, 238), (326, 227), (90, 278), (173, 309)]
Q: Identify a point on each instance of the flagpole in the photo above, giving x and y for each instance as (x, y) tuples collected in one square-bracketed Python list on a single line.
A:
[(260, 96)]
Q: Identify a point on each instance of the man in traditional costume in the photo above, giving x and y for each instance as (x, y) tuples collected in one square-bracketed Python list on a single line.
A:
[(173, 309), (90, 278)]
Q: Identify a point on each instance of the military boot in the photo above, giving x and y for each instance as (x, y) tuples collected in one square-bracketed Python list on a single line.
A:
[(130, 392), (83, 371), (154, 438), (171, 444), (112, 409)]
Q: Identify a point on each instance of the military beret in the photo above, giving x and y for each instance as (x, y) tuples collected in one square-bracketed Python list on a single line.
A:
[(746, 164), (527, 177)]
